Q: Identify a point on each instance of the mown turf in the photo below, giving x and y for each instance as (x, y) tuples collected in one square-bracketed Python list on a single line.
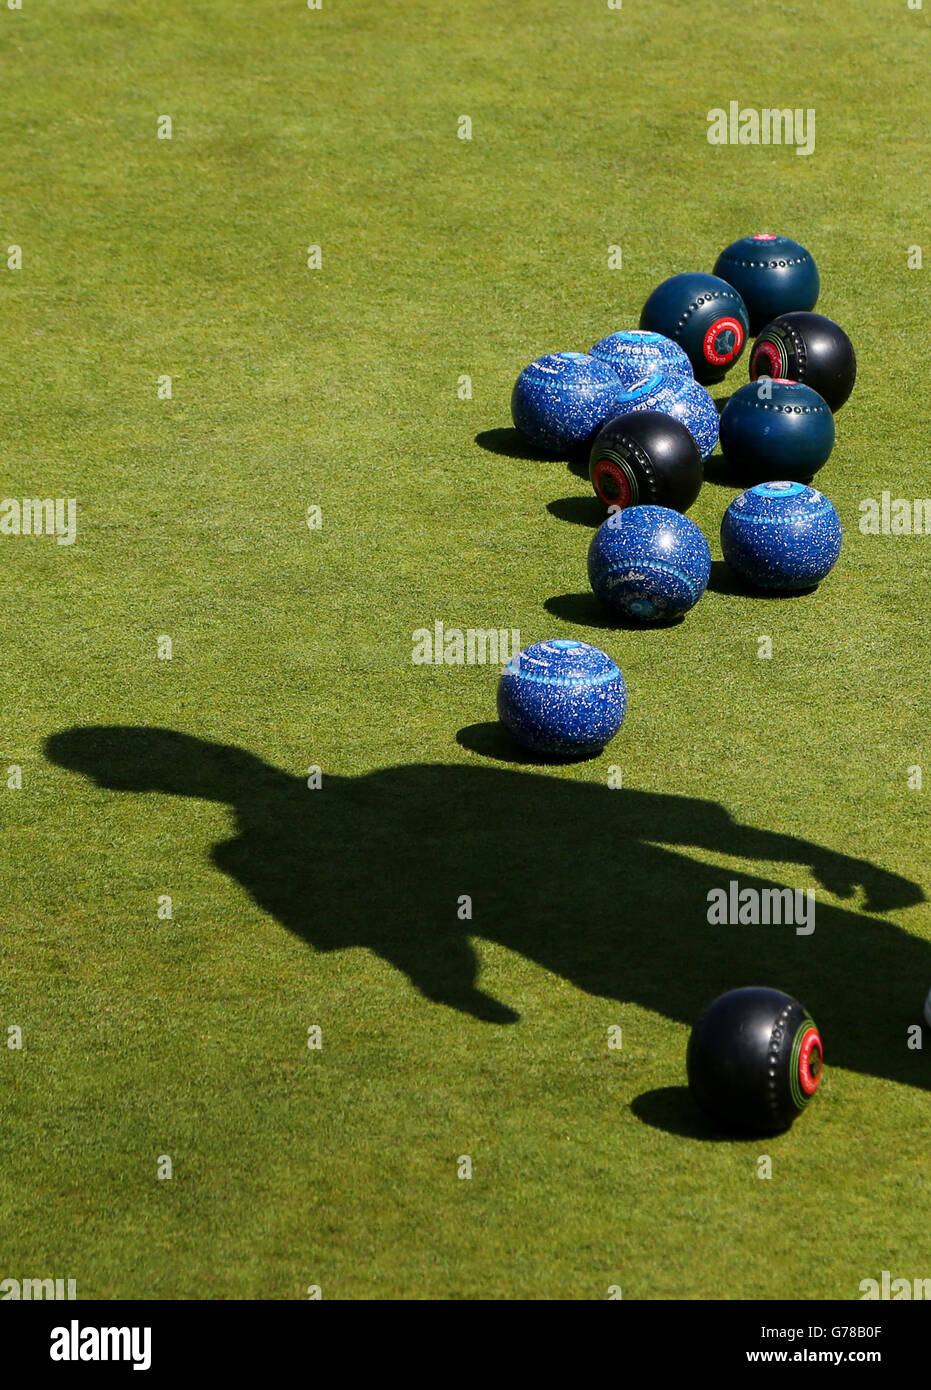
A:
[(338, 907)]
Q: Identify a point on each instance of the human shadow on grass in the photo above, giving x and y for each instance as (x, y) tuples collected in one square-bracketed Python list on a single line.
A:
[(597, 886)]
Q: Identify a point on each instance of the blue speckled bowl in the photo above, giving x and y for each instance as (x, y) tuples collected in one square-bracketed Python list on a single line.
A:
[(781, 535), (682, 397), (650, 563), (693, 405), (560, 401), (562, 698), (636, 353)]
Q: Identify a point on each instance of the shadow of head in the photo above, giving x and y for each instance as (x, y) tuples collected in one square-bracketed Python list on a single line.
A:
[(128, 758)]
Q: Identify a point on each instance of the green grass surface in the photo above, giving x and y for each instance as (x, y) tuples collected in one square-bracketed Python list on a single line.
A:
[(337, 907)]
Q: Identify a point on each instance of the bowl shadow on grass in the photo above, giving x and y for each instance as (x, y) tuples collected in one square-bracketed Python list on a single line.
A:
[(492, 740), (724, 581), (586, 611), (672, 1109), (581, 511), (720, 473), (605, 888), (511, 444), (578, 461)]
